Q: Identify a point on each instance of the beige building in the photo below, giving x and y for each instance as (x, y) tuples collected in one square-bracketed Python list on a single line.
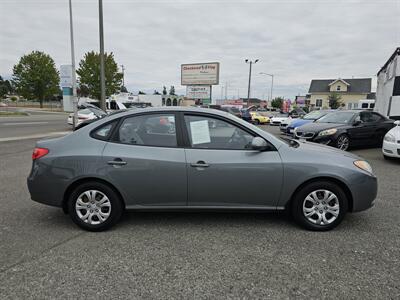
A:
[(350, 91)]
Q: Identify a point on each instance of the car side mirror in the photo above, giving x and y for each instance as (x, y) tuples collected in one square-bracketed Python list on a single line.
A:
[(259, 144), (397, 123)]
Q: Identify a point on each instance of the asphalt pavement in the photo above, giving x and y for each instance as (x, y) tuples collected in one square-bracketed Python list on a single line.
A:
[(194, 255)]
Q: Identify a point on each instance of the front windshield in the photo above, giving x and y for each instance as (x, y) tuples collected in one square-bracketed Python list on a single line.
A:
[(343, 117), (314, 115)]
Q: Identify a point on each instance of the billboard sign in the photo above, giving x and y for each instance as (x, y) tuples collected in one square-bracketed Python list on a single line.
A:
[(66, 76), (198, 91), (200, 74)]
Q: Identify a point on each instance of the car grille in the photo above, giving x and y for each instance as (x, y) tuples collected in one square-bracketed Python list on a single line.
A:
[(305, 135)]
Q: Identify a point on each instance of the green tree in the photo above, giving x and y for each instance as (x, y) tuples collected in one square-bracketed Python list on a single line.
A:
[(141, 93), (36, 77), (172, 90), (89, 74), (156, 92), (124, 89), (334, 100), (277, 102), (83, 91), (164, 90)]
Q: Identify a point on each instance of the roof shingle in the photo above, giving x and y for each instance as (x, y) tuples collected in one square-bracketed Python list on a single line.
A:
[(357, 85)]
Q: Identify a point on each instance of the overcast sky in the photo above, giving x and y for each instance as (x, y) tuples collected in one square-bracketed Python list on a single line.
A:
[(295, 40)]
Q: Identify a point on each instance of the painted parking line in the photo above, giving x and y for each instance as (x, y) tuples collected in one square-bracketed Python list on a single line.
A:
[(24, 123), (34, 136)]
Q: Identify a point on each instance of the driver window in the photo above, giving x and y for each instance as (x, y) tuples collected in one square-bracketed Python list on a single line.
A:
[(211, 133)]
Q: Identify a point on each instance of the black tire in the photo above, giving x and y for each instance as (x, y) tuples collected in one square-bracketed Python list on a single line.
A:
[(257, 122), (299, 200), (116, 206), (341, 138), (387, 157)]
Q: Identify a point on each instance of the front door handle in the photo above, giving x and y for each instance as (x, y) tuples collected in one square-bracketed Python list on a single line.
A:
[(200, 164), (117, 162)]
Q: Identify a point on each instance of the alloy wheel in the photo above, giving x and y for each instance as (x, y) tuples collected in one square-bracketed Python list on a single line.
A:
[(321, 207), (93, 207), (343, 142)]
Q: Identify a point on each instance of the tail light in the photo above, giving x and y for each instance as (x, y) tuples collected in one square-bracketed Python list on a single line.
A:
[(83, 118), (39, 152)]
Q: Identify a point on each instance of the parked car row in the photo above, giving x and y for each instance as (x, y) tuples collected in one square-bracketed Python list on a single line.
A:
[(342, 129)]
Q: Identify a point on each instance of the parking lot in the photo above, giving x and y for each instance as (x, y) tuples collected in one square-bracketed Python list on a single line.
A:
[(195, 255)]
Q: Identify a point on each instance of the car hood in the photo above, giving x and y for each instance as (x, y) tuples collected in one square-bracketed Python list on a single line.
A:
[(316, 127), (301, 122), (314, 149), (279, 118), (395, 131)]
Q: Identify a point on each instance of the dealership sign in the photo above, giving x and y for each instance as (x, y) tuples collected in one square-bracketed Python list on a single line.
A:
[(198, 91), (200, 74), (66, 76)]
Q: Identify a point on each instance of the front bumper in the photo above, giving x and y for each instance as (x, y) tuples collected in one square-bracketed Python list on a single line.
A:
[(391, 149), (364, 189)]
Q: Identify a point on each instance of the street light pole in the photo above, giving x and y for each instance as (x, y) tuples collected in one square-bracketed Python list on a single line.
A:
[(247, 61), (123, 75), (102, 75), (272, 81), (74, 99)]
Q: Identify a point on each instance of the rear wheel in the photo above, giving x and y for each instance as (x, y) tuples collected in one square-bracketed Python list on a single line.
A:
[(343, 142), (94, 206), (320, 206)]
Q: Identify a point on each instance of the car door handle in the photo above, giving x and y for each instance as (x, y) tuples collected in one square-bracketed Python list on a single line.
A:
[(117, 162), (200, 164)]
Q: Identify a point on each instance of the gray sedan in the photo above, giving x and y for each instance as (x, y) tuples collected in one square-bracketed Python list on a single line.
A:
[(189, 159)]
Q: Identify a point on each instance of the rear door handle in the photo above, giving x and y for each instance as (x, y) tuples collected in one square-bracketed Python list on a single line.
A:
[(200, 164), (117, 162)]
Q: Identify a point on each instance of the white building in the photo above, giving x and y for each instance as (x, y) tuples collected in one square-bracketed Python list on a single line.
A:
[(388, 90)]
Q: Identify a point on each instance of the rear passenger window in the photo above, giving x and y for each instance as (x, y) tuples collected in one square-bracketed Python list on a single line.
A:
[(148, 130)]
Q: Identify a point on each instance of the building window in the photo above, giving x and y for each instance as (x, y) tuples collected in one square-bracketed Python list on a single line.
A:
[(349, 105), (355, 105), (318, 103), (338, 88)]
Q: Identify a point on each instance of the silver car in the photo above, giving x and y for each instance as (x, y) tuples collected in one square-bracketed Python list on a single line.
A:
[(191, 158)]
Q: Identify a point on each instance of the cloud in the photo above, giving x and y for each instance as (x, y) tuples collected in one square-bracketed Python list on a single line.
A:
[(295, 40)]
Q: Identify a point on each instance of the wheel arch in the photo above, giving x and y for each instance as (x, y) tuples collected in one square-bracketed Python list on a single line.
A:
[(339, 182), (80, 181)]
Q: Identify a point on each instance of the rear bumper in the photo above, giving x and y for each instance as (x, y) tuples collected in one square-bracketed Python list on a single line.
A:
[(44, 189)]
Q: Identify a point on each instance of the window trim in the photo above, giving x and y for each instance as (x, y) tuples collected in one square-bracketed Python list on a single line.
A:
[(188, 145), (179, 139), (92, 133)]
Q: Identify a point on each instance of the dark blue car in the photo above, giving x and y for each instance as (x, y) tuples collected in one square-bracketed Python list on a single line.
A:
[(308, 118)]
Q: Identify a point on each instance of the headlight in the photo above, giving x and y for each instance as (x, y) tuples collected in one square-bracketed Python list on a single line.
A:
[(363, 165), (389, 138), (328, 132)]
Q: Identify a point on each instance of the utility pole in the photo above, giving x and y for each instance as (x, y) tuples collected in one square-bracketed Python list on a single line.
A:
[(102, 75), (247, 61), (123, 75), (226, 90), (74, 99)]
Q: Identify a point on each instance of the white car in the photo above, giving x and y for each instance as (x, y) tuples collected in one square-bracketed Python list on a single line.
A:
[(391, 142), (83, 115), (278, 119)]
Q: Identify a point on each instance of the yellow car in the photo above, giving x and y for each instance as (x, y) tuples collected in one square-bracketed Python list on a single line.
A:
[(257, 118)]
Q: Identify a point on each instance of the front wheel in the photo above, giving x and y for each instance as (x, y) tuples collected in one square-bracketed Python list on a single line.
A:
[(257, 122), (320, 206), (343, 142), (94, 206)]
